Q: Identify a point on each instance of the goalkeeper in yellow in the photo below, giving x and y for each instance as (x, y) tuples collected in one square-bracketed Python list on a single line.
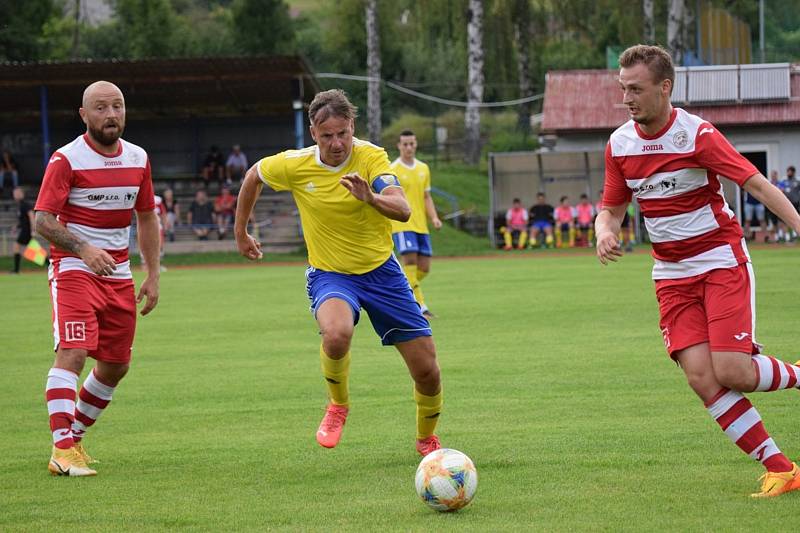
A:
[(346, 193), (412, 238)]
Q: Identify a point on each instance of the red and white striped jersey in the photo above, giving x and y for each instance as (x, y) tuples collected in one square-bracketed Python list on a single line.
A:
[(674, 177), (94, 195)]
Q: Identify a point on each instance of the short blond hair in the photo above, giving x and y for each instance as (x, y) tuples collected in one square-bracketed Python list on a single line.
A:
[(657, 60), (332, 103)]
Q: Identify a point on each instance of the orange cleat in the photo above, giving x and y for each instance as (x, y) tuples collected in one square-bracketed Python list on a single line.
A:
[(777, 483), (426, 446), (330, 429)]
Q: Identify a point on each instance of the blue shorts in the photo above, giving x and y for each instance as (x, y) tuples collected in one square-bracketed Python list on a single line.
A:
[(408, 242), (384, 294), (541, 225)]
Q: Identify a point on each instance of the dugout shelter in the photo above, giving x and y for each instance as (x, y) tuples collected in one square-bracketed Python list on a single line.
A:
[(176, 108)]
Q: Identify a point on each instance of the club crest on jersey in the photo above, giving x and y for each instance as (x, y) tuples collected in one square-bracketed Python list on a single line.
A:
[(310, 187), (652, 147), (680, 138)]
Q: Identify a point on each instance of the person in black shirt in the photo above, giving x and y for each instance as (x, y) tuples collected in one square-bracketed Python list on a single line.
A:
[(23, 226), (541, 220), (213, 166)]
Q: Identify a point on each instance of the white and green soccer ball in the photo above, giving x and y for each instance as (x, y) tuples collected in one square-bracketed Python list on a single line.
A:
[(446, 480)]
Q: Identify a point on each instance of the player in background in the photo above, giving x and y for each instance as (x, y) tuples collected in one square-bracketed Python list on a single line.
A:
[(23, 226), (565, 223), (412, 239), (516, 224), (89, 190), (347, 193), (584, 216), (670, 160), (541, 221)]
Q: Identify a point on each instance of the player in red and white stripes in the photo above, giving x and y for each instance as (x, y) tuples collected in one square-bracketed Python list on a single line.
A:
[(670, 161), (90, 188)]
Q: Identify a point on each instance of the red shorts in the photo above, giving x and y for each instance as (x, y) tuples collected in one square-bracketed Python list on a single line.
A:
[(716, 307), (94, 314)]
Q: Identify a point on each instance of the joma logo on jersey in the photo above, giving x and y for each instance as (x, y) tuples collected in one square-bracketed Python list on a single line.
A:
[(652, 147), (113, 163), (100, 197), (74, 331)]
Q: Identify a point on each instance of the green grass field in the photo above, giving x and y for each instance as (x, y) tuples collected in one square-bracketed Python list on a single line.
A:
[(556, 384)]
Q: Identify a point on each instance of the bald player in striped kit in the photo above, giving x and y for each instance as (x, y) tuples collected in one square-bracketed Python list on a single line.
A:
[(90, 188), (670, 161)]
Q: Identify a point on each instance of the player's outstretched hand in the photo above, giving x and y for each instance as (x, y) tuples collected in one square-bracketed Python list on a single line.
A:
[(149, 290), (249, 247), (98, 260), (608, 247), (358, 187), (437, 224)]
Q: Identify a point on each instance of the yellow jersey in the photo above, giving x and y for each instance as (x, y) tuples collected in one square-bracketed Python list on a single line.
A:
[(416, 181), (342, 233)]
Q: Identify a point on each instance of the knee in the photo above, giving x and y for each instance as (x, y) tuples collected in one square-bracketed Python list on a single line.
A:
[(427, 374), (735, 378), (111, 374), (703, 383), (336, 341)]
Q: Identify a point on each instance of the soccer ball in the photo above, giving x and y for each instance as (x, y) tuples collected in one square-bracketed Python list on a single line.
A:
[(446, 480)]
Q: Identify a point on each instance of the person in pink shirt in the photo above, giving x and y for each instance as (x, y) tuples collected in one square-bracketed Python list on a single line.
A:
[(516, 226), (584, 216), (565, 222)]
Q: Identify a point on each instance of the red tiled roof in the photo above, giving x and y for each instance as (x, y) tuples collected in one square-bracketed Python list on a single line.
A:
[(590, 100)]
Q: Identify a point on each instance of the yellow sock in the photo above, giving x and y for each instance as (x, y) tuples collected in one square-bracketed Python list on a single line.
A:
[(506, 237), (412, 274), (421, 274), (548, 240), (571, 237), (336, 373), (523, 239), (428, 409)]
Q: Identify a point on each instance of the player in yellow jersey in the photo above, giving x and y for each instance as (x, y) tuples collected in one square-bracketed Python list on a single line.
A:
[(412, 238), (346, 193)]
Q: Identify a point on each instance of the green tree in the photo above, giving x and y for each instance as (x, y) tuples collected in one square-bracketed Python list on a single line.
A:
[(22, 28), (146, 27), (263, 27)]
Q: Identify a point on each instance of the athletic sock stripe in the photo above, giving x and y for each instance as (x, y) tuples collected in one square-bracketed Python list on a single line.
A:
[(743, 424), (763, 372), (753, 438), (83, 419), (790, 369), (784, 372), (98, 389), (60, 394), (91, 399), (776, 374), (722, 404), (737, 410), (60, 406), (89, 410)]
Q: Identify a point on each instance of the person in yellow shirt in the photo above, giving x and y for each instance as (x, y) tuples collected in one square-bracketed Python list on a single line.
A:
[(346, 193), (412, 238)]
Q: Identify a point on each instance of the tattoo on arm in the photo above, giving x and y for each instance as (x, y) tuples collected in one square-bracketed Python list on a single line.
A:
[(51, 229)]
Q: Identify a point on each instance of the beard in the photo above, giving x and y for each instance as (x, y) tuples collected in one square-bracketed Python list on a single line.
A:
[(106, 138)]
